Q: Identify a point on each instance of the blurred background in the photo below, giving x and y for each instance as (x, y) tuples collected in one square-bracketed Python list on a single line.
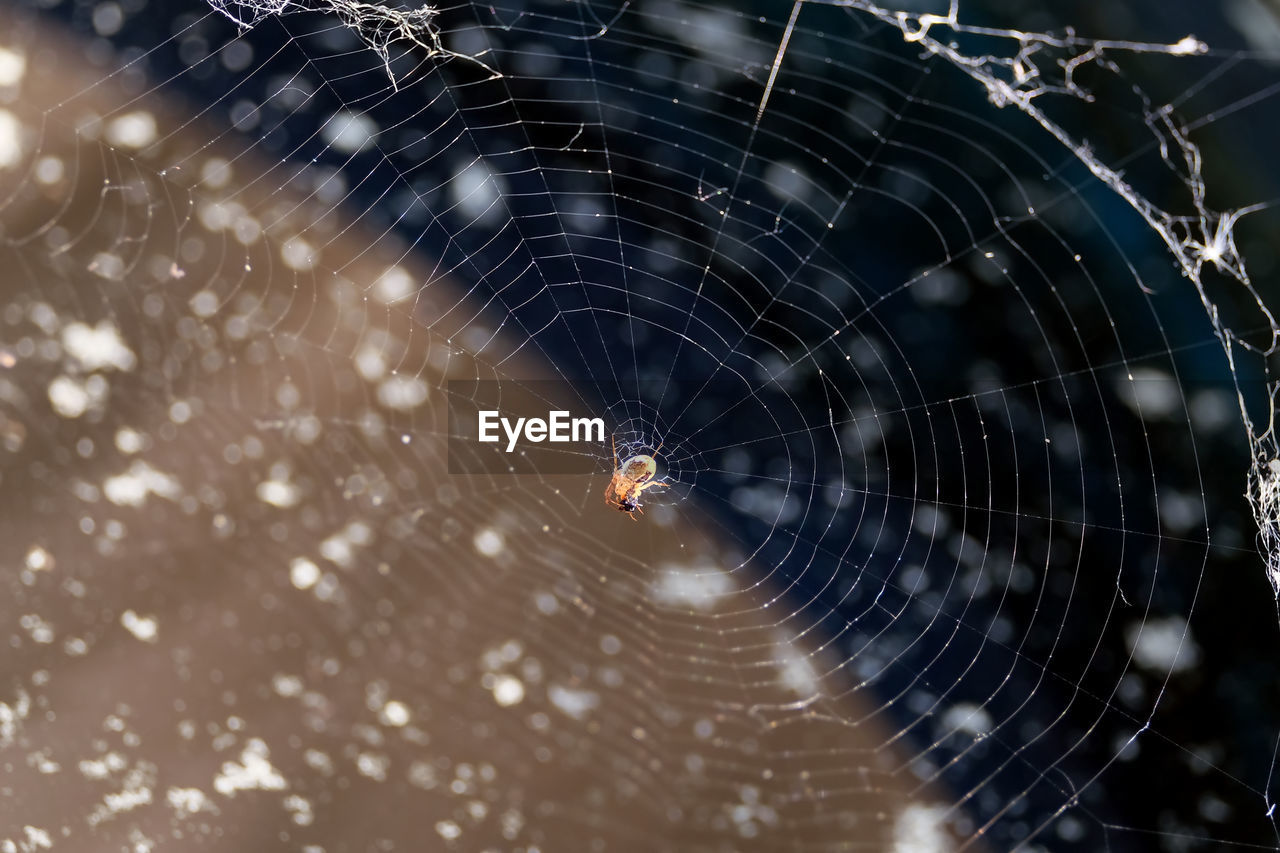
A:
[(956, 553)]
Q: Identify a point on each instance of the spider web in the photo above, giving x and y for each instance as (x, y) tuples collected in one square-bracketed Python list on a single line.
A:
[(937, 320)]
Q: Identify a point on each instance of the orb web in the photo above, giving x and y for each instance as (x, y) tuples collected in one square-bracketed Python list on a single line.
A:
[(945, 325)]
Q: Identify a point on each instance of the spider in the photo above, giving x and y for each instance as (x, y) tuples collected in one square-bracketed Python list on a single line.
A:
[(630, 478)]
